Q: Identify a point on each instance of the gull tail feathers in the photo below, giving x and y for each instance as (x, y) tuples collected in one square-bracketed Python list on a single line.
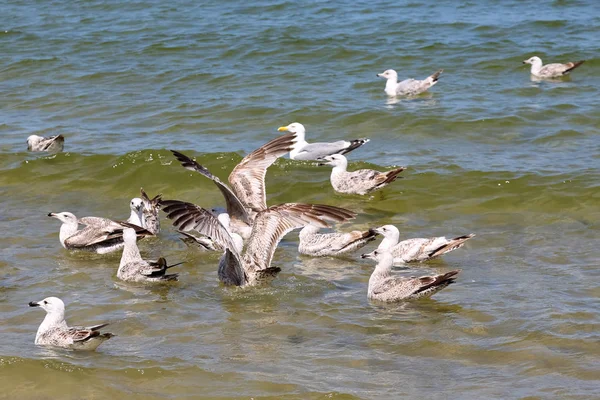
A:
[(354, 144), (572, 65), (453, 244), (432, 284), (390, 176), (432, 79)]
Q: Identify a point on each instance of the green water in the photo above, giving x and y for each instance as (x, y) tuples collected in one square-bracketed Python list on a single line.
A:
[(488, 151)]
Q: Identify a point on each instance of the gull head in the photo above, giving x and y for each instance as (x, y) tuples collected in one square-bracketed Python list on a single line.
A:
[(295, 127), (379, 256), (32, 140), (129, 235), (136, 204), (388, 74), (388, 231), (52, 305), (335, 160), (64, 217), (533, 60)]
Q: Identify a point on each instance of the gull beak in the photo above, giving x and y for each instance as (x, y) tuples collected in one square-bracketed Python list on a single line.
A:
[(33, 304), (322, 161), (51, 214), (282, 128), (525, 62), (374, 231), (379, 75)]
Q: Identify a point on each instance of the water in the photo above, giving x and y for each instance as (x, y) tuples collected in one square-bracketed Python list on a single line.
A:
[(489, 151)]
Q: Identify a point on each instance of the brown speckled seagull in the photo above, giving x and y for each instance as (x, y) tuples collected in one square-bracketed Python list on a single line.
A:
[(362, 181), (51, 144), (383, 286), (53, 331), (247, 196), (253, 266), (313, 243), (550, 70)]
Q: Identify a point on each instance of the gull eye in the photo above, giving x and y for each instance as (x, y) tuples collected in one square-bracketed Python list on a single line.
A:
[(45, 302)]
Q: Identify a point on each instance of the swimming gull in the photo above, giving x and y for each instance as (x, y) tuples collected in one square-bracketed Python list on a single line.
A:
[(54, 331), (317, 244), (151, 207), (52, 144), (247, 195), (383, 286), (417, 249), (362, 181), (312, 151), (550, 70), (253, 266), (100, 235), (134, 268), (408, 87)]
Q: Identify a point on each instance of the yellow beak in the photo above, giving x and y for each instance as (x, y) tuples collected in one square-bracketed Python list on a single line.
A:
[(282, 128)]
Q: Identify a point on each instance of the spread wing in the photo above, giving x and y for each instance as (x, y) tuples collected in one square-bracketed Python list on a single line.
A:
[(272, 224), (98, 230), (187, 217), (235, 208), (248, 178)]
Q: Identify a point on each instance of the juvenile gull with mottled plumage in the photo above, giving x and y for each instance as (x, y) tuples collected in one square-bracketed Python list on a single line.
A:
[(51, 144), (100, 235), (54, 331), (253, 266), (134, 268), (362, 181), (303, 150), (417, 249), (317, 244), (550, 70), (408, 87), (383, 286)]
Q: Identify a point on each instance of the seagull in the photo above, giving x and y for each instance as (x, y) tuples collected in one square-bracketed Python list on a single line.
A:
[(385, 287), (317, 244), (246, 197), (151, 207), (550, 70), (137, 212), (313, 151), (133, 268), (408, 87), (362, 181), (206, 243), (253, 266), (52, 144), (417, 249), (100, 235), (54, 331)]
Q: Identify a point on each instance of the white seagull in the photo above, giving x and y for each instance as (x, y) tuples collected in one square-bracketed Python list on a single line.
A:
[(303, 150)]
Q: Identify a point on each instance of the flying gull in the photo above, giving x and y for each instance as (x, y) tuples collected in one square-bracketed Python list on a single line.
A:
[(408, 87), (246, 197), (362, 181), (550, 70), (313, 151), (253, 266), (383, 286), (417, 249), (100, 235), (54, 330), (52, 144), (317, 244), (134, 268)]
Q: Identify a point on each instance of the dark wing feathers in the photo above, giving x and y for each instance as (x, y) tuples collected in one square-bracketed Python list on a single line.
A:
[(235, 208)]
